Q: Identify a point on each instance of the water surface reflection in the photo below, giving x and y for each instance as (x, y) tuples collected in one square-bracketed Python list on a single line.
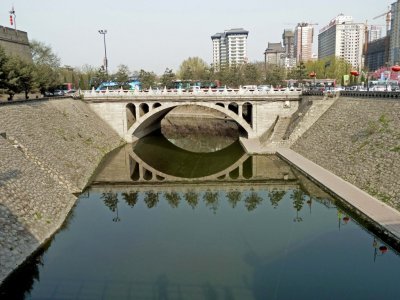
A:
[(249, 229)]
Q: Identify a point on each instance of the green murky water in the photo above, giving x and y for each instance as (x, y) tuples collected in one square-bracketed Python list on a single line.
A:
[(160, 222)]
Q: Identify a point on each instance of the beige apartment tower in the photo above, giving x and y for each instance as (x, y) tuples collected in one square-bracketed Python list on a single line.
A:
[(303, 42)]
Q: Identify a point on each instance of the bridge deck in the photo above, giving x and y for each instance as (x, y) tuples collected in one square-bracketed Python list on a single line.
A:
[(201, 95), (385, 216)]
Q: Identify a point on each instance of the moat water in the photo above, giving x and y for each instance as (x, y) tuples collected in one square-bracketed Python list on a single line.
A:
[(160, 222)]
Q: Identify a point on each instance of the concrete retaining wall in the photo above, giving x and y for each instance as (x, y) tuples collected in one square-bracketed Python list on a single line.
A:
[(48, 150), (359, 140)]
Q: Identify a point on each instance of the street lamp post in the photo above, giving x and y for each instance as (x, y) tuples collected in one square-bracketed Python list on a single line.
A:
[(104, 32)]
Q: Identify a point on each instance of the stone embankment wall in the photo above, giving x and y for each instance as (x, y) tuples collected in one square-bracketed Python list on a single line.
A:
[(359, 140), (48, 150)]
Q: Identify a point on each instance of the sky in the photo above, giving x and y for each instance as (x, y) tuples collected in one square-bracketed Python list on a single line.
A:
[(156, 34)]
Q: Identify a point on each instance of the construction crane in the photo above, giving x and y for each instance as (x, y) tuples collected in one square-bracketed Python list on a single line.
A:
[(388, 15)]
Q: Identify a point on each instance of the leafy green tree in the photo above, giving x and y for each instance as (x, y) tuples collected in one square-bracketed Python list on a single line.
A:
[(47, 65), (3, 71), (122, 76), (193, 68), (27, 77), (251, 74), (148, 79), (88, 77), (167, 78), (13, 78), (274, 74)]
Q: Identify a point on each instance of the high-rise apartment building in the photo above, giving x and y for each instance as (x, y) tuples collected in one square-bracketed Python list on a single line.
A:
[(374, 33), (288, 43), (342, 38), (303, 41), (229, 47), (394, 49)]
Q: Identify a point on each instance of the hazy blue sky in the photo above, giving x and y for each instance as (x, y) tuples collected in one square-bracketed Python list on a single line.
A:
[(155, 34)]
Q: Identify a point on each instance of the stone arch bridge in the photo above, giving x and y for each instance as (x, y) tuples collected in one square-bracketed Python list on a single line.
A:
[(134, 114)]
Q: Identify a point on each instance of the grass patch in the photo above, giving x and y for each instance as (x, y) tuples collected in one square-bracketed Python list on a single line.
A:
[(395, 149)]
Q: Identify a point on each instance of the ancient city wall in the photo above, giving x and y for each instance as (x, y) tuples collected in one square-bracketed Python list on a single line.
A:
[(15, 42), (359, 140), (48, 150)]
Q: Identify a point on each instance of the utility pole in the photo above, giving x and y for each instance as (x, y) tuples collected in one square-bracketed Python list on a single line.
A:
[(104, 32)]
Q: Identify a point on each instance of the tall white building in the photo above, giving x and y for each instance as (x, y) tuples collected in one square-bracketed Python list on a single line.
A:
[(342, 38), (229, 47), (303, 41)]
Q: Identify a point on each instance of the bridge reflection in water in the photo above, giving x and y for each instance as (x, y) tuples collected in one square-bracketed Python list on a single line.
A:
[(155, 169), (155, 159)]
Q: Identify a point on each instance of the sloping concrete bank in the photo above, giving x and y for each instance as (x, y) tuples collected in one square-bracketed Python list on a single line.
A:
[(48, 151), (359, 141)]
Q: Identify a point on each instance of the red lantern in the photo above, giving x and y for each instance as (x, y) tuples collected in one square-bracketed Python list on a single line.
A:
[(383, 249), (354, 73), (396, 68), (312, 74), (11, 20)]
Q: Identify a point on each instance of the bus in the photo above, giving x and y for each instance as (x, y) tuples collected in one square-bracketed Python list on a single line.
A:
[(112, 85), (190, 84)]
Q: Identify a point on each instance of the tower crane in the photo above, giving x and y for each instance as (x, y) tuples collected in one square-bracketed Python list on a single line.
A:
[(388, 15)]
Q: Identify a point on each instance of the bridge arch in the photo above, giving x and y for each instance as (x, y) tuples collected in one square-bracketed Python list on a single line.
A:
[(147, 120)]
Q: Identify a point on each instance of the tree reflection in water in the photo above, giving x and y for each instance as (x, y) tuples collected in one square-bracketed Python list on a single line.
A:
[(130, 198), (275, 197), (173, 199), (234, 197), (211, 200), (151, 199), (111, 201), (192, 199), (252, 200), (298, 198)]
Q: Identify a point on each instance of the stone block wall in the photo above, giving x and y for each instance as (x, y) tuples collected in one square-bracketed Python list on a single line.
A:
[(63, 136), (359, 140), (48, 150), (15, 42)]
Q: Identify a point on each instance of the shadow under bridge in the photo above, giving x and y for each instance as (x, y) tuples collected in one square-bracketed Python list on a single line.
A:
[(144, 118)]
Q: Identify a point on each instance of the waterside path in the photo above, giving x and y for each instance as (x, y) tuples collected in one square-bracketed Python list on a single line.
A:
[(385, 216)]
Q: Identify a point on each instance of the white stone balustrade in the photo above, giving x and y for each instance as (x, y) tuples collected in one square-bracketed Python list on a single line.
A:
[(192, 93)]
